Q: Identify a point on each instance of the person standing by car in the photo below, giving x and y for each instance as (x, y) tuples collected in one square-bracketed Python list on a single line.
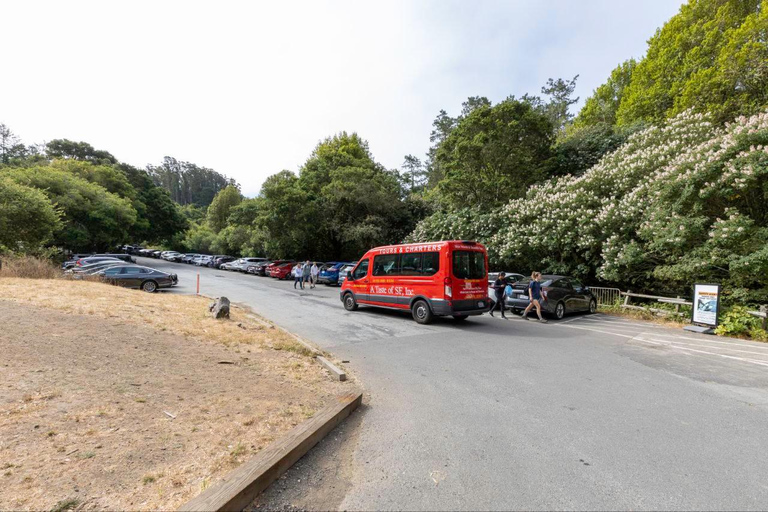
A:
[(313, 273), (534, 294), (306, 271), (498, 287), (297, 276)]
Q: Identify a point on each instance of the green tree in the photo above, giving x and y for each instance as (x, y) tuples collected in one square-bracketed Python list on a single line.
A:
[(414, 173), (219, 209), (493, 154), (188, 183), (199, 239), (287, 216), (712, 56), (28, 219), (67, 149), (159, 218), (92, 217), (601, 107), (561, 98), (10, 145), (584, 146)]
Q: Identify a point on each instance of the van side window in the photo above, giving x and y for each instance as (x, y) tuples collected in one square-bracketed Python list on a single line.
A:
[(430, 263), (385, 265), (410, 264), (361, 271)]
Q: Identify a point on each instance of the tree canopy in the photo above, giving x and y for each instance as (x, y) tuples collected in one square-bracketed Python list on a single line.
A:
[(101, 201), (494, 153), (712, 56)]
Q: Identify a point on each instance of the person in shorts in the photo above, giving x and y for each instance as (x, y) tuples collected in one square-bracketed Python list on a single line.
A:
[(313, 273), (534, 294)]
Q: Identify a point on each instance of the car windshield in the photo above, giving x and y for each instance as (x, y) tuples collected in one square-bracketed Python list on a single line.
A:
[(469, 264)]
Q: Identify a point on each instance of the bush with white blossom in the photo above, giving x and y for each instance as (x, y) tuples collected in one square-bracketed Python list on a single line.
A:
[(676, 204)]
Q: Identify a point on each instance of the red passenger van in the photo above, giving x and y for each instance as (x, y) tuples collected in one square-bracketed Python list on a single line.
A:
[(429, 279)]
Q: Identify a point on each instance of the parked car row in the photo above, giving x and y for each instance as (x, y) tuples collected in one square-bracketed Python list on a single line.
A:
[(331, 273), (121, 271)]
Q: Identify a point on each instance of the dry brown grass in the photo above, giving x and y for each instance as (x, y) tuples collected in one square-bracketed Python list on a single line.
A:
[(28, 267), (179, 314), (99, 378)]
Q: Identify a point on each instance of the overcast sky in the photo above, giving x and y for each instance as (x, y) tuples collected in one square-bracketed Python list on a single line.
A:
[(249, 88)]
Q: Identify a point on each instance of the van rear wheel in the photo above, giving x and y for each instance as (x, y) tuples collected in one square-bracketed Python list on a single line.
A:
[(421, 312)]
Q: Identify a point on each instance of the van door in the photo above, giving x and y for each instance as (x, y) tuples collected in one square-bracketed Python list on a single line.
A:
[(470, 280), (360, 281)]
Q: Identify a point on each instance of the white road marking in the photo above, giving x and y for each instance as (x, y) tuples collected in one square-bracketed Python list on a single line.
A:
[(673, 342), (749, 344), (597, 330), (753, 361), (622, 322)]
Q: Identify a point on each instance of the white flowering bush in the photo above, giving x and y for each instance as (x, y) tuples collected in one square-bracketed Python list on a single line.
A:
[(675, 204)]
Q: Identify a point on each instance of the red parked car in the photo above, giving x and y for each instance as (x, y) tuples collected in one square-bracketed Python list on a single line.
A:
[(272, 266), (283, 271)]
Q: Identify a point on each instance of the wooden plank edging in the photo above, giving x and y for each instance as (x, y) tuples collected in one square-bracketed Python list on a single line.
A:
[(240, 487), (335, 370)]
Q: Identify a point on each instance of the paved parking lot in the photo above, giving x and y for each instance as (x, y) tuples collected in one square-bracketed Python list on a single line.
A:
[(592, 412)]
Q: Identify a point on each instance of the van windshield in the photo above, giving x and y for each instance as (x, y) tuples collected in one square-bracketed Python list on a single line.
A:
[(469, 265)]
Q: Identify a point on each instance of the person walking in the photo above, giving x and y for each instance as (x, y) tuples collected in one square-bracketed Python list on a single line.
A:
[(313, 273), (297, 276), (534, 294), (305, 272), (498, 287)]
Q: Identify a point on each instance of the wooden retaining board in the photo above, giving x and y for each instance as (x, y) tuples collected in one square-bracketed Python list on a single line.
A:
[(240, 487)]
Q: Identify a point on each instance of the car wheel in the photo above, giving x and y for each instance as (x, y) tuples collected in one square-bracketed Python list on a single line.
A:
[(460, 318), (593, 306), (560, 310), (149, 286), (350, 304), (421, 312)]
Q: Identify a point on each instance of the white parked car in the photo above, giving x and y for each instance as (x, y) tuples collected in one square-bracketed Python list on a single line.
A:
[(344, 272), (202, 260), (171, 256)]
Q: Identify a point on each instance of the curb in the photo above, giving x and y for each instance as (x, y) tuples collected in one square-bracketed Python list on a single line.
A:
[(240, 487)]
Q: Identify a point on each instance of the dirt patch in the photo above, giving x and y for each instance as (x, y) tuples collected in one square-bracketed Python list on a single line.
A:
[(105, 408)]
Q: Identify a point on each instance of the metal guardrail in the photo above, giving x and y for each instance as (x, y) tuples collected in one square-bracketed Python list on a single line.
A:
[(763, 314), (605, 295), (677, 301)]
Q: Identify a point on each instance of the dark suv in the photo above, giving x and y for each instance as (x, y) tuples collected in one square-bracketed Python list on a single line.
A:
[(559, 295)]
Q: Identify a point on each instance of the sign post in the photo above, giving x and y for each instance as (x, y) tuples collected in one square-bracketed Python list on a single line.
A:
[(706, 308)]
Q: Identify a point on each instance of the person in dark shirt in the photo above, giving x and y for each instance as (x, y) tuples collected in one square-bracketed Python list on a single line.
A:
[(498, 287), (534, 294)]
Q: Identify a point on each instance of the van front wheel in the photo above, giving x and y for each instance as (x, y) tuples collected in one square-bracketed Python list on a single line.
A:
[(350, 304), (421, 312)]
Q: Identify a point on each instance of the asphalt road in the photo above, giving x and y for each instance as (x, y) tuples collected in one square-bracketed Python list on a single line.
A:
[(593, 412)]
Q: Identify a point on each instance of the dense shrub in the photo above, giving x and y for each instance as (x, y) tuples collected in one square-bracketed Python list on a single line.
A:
[(677, 203), (737, 321)]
